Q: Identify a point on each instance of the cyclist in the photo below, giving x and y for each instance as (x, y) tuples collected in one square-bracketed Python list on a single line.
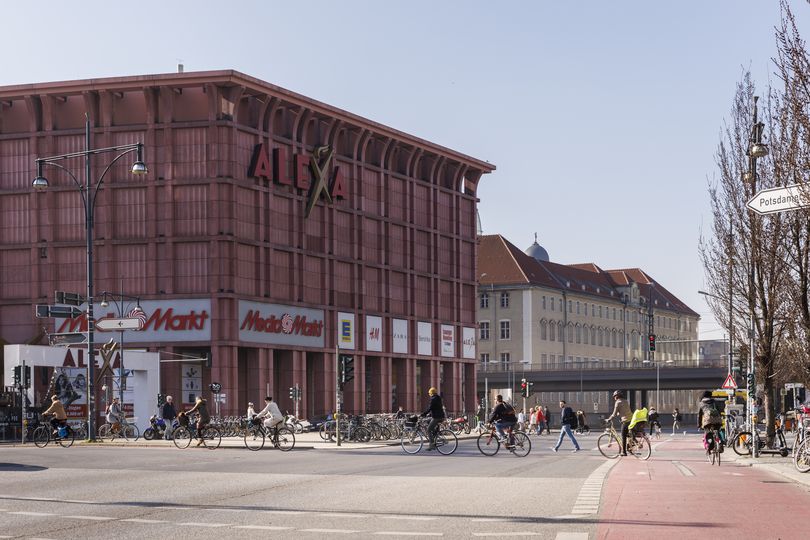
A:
[(436, 412), (271, 412), (622, 410), (57, 410), (709, 419), (114, 415), (203, 418), (503, 415), (655, 424)]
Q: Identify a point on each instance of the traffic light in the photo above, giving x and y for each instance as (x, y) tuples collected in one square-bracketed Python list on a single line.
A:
[(17, 375), (524, 388), (161, 400), (751, 385), (346, 369), (22, 377), (652, 342), (27, 377), (292, 392)]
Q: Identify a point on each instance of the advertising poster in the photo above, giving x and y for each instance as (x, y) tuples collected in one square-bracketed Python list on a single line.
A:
[(374, 334), (345, 330), (399, 336), (448, 340), (468, 342), (70, 385), (424, 338)]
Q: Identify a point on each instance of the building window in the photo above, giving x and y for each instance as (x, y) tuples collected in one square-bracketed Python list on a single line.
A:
[(504, 299), (600, 312), (585, 312), (484, 331), (570, 334), (505, 358), (505, 330), (543, 332), (552, 332), (561, 306), (579, 334), (485, 358), (484, 300), (577, 307), (543, 359), (560, 337), (544, 302), (601, 338), (569, 306), (614, 314)]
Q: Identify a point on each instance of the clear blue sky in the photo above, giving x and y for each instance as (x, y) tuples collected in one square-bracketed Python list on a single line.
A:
[(602, 117)]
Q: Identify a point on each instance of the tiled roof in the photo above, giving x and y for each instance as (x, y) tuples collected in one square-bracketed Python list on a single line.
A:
[(502, 263)]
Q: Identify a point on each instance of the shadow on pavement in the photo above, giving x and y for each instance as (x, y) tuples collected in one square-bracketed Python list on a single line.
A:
[(19, 467)]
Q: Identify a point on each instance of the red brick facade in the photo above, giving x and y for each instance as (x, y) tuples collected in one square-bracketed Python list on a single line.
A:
[(400, 244)]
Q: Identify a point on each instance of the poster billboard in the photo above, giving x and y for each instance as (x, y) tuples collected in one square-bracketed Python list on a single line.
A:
[(399, 336), (374, 333), (424, 338), (448, 340), (468, 342)]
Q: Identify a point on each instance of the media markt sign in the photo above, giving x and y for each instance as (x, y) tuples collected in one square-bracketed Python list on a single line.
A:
[(280, 324), (312, 174)]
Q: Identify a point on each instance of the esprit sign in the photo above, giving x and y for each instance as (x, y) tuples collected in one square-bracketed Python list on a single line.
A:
[(309, 173), (166, 320), (280, 324)]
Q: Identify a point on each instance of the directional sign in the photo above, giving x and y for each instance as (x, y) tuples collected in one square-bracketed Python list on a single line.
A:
[(67, 338), (730, 384), (769, 201), (44, 311), (69, 298), (115, 325)]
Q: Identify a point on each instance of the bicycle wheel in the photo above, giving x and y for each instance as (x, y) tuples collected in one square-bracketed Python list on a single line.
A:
[(488, 444), (411, 441), (105, 432), (446, 442), (522, 445), (801, 460), (67, 440), (130, 432), (641, 447), (181, 437), (324, 431), (285, 440), (254, 438), (211, 437), (467, 428), (42, 436), (609, 446), (742, 443)]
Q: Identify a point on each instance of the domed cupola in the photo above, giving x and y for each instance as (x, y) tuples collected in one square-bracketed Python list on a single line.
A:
[(537, 252)]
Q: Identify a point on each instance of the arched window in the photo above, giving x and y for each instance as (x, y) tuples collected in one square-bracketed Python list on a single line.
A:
[(601, 337), (570, 333), (560, 330), (542, 329), (579, 334), (552, 331)]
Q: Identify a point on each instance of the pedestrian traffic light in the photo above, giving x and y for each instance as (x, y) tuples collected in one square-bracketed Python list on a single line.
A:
[(161, 400), (751, 385), (652, 342), (27, 377), (17, 375), (524, 388), (292, 392), (346, 369)]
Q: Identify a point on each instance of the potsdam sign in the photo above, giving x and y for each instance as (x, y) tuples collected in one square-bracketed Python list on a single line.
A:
[(309, 173), (781, 199)]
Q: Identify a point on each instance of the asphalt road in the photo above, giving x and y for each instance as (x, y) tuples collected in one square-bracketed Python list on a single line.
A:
[(124, 492)]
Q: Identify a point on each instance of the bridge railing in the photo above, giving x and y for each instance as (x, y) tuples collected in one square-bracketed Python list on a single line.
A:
[(502, 367)]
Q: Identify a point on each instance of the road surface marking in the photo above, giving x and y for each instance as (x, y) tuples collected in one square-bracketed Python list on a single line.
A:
[(262, 527), (344, 515), (487, 520), (683, 468), (401, 533), (33, 514), (571, 536), (590, 493), (211, 525), (502, 534), (136, 520), (77, 502), (340, 531), (414, 518), (226, 510), (91, 518)]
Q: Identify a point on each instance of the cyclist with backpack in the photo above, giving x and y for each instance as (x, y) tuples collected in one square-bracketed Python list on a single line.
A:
[(709, 419), (568, 422), (503, 415)]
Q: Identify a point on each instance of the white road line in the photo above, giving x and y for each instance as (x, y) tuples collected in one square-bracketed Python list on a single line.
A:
[(33, 514), (590, 493), (571, 536), (210, 525), (489, 520), (686, 471), (226, 510), (91, 518), (261, 527), (339, 531), (136, 520), (402, 533), (502, 534), (339, 515), (411, 518), (77, 502)]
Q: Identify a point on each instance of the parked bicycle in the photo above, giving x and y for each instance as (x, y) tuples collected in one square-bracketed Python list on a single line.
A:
[(743, 443), (281, 437), (516, 442), (638, 443), (414, 435), (64, 435)]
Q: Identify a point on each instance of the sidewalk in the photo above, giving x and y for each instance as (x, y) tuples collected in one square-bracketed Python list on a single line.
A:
[(678, 494)]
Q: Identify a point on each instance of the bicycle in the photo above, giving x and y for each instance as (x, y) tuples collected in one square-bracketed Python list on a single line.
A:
[(210, 436), (128, 431), (638, 443), (282, 437), (518, 442), (414, 434), (714, 446), (64, 435), (743, 443)]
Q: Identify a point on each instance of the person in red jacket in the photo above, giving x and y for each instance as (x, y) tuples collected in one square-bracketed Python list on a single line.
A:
[(541, 420)]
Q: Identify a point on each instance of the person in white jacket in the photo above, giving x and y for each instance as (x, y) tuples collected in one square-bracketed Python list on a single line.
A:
[(271, 413)]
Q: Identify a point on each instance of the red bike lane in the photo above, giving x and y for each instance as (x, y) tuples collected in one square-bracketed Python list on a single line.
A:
[(678, 494)]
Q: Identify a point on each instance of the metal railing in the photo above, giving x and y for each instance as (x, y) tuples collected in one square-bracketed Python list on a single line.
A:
[(519, 367)]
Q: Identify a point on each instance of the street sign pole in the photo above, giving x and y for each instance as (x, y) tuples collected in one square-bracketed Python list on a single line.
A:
[(23, 399), (337, 394)]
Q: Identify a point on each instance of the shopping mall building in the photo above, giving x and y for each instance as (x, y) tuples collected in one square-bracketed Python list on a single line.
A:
[(271, 231)]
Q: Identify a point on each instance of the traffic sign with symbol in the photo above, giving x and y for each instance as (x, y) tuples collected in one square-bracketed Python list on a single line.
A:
[(115, 325), (729, 384)]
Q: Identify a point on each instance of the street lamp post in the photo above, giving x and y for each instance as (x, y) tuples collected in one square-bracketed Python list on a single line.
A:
[(88, 191), (730, 324)]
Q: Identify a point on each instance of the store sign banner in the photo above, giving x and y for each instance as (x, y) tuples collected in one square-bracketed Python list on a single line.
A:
[(468, 342), (166, 320), (345, 337), (280, 324), (424, 338), (374, 334), (448, 340), (399, 336)]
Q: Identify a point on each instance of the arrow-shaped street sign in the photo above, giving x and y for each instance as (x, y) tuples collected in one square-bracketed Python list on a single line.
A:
[(115, 325), (44, 311), (770, 201)]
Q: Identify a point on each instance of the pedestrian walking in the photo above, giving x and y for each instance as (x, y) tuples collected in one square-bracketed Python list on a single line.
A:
[(676, 420), (547, 421), (168, 413), (521, 419), (532, 420), (568, 421), (541, 421)]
